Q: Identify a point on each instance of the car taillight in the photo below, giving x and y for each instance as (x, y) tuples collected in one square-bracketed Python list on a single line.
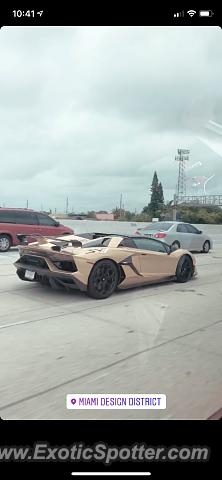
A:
[(160, 235)]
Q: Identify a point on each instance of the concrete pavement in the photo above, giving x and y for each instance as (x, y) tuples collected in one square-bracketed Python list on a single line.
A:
[(157, 339)]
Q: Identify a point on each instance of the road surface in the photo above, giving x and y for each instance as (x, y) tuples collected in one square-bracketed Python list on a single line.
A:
[(156, 339)]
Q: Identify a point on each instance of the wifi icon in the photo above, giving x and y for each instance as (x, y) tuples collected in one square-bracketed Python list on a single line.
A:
[(191, 12)]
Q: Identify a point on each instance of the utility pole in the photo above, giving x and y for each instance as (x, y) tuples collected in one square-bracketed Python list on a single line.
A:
[(175, 208), (67, 205), (27, 204), (120, 205)]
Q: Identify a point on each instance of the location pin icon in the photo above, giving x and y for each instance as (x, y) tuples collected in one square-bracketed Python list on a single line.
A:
[(73, 401)]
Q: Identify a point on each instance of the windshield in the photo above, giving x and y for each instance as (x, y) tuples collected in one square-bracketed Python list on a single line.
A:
[(158, 226)]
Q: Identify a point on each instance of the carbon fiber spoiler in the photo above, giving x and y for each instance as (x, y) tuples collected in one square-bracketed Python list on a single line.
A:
[(94, 235), (23, 238)]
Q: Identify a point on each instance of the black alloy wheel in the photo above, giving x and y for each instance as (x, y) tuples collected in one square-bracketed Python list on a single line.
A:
[(103, 279), (184, 270)]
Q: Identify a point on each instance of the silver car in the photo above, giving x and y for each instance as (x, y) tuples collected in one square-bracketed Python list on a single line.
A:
[(179, 235)]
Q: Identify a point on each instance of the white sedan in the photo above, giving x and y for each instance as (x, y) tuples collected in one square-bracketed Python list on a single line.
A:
[(179, 235)]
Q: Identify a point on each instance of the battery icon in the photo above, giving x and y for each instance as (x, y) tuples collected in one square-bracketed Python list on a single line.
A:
[(205, 13)]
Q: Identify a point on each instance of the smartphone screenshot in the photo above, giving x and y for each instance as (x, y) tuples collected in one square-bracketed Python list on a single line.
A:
[(110, 243)]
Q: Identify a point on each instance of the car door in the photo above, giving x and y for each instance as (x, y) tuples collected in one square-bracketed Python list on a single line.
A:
[(130, 261), (155, 261), (47, 226), (183, 236), (195, 238), (26, 223)]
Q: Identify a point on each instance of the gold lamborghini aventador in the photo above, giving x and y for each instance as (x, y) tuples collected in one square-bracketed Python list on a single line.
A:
[(101, 263)]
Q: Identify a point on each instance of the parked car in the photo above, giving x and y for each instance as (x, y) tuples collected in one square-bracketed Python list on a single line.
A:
[(178, 234), (100, 266), (14, 221)]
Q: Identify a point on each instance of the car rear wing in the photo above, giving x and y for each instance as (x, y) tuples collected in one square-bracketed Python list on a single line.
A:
[(41, 239), (23, 238), (94, 235)]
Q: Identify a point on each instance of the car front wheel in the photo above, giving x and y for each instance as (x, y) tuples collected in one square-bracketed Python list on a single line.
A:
[(184, 271), (103, 279)]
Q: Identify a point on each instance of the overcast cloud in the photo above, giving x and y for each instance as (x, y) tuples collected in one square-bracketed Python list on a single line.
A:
[(90, 113)]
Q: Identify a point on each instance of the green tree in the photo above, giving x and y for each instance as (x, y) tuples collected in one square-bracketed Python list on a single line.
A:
[(117, 213), (128, 215), (161, 194), (91, 214), (156, 204), (146, 210)]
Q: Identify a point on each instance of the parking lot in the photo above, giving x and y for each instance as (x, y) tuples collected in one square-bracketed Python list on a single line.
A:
[(156, 339)]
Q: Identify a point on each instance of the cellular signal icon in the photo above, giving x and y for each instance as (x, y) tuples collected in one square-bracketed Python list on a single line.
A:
[(179, 14), (191, 12)]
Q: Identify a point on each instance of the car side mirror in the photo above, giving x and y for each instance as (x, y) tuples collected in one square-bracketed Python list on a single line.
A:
[(200, 231), (57, 224), (172, 248)]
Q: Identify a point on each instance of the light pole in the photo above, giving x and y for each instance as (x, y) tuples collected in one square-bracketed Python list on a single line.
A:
[(208, 179), (182, 157)]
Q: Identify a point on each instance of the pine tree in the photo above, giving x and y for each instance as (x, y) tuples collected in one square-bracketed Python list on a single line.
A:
[(154, 201), (161, 194), (157, 198)]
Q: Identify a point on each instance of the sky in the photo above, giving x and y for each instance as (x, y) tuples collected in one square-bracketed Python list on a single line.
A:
[(89, 113)]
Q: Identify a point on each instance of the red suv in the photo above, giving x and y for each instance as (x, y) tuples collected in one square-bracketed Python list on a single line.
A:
[(18, 220)]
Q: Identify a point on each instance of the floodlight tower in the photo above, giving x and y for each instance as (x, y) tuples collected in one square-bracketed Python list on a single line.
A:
[(182, 158)]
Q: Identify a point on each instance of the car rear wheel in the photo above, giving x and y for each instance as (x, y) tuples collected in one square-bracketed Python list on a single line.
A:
[(103, 279), (176, 245), (5, 242), (184, 270), (206, 247)]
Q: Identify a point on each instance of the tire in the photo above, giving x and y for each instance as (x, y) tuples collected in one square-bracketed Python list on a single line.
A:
[(184, 271), (176, 244), (5, 242), (103, 279), (206, 246)]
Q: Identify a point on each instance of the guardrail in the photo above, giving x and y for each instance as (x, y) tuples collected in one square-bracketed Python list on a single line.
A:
[(199, 200)]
